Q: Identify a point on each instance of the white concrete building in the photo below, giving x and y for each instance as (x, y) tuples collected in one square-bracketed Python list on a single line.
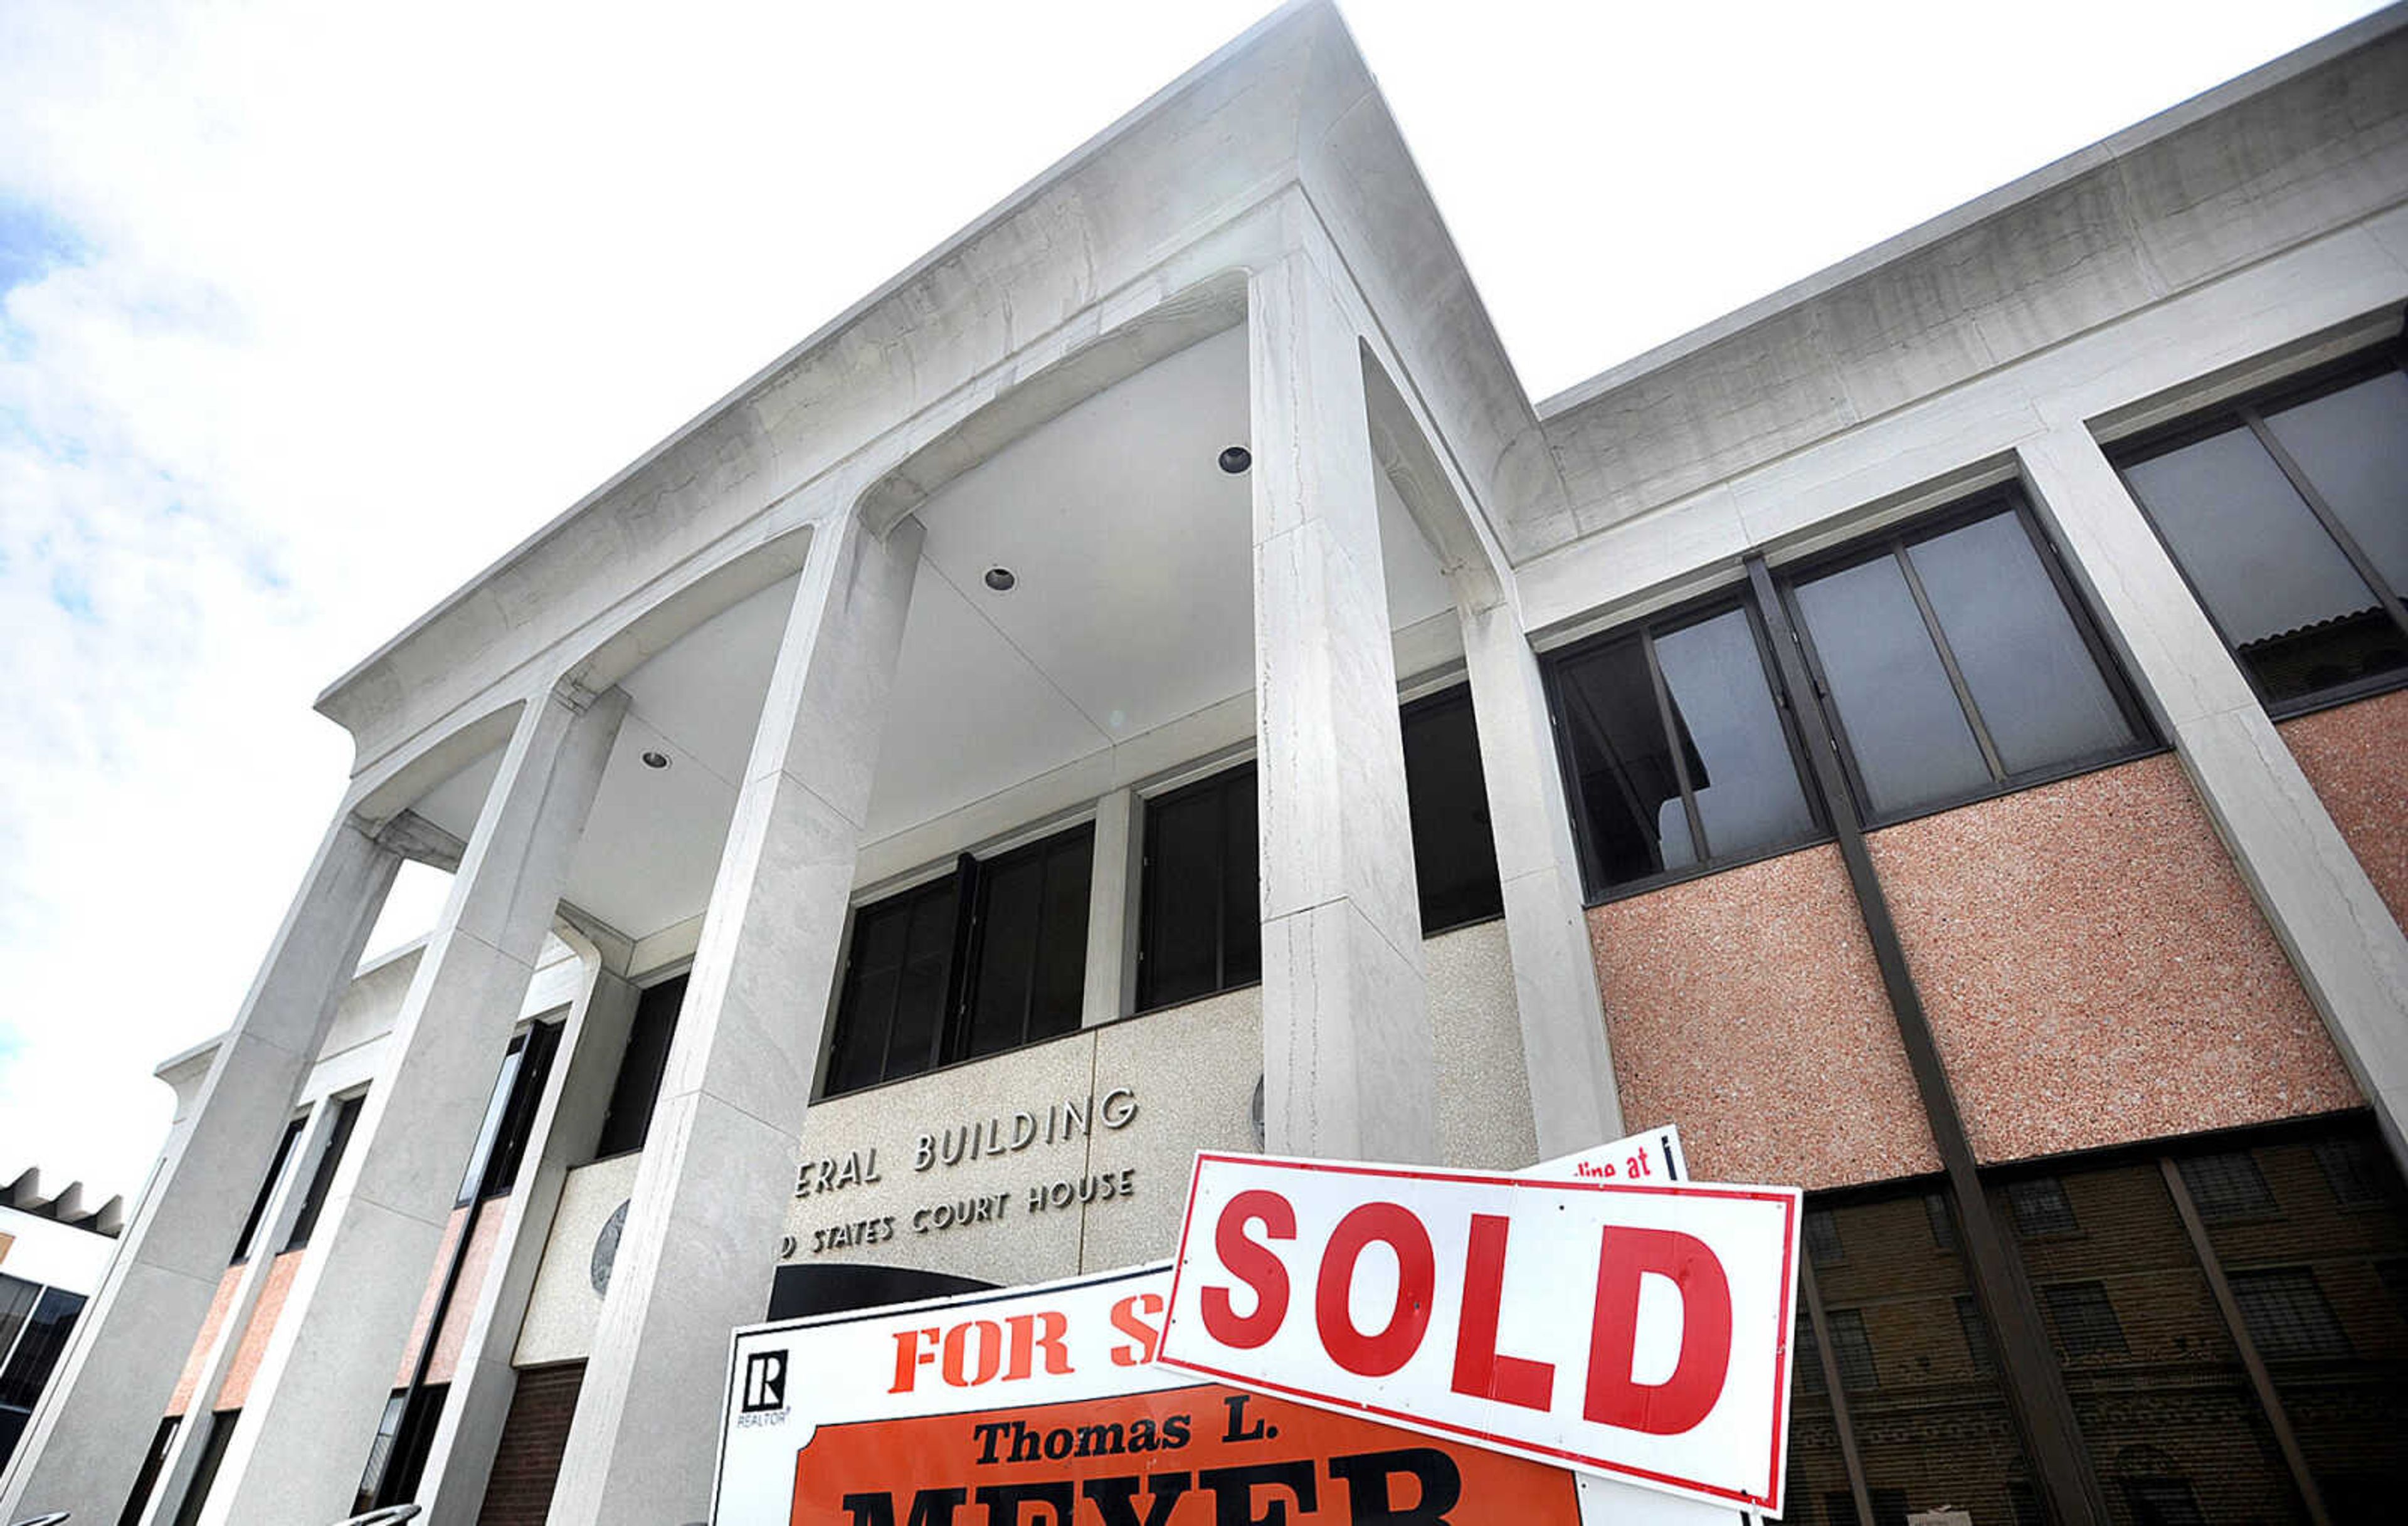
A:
[(1149, 679), (53, 1248)]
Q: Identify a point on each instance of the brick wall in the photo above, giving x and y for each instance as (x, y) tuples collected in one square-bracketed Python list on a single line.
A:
[(519, 1492)]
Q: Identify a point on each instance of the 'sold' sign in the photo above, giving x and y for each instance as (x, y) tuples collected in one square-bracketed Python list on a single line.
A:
[(1637, 1330), (1041, 1406)]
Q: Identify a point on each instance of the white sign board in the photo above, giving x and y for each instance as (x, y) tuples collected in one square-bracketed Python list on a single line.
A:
[(1636, 1330)]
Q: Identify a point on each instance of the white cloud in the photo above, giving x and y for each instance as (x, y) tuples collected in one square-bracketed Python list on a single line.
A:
[(344, 301)]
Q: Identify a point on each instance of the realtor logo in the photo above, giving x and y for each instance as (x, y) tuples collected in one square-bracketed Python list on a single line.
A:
[(765, 1381)]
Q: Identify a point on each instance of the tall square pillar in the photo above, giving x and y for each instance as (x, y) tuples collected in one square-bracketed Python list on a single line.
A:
[(699, 1251), (2349, 951), (1573, 1103), (322, 1382), (87, 1439), (1347, 1055)]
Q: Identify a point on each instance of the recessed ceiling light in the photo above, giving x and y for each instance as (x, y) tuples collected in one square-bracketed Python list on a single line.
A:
[(1235, 459), (656, 760), (1000, 579)]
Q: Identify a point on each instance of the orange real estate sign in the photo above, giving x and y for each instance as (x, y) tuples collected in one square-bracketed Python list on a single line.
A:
[(1175, 1457), (1041, 1406)]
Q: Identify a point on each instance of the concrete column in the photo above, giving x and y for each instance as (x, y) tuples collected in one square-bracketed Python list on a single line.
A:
[(88, 1436), (568, 1123), (1564, 1046), (1111, 989), (275, 1227), (2349, 952), (1347, 1058), (699, 1251), (296, 1455)]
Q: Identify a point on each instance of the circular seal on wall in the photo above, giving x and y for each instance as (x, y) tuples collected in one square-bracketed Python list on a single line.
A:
[(606, 1246)]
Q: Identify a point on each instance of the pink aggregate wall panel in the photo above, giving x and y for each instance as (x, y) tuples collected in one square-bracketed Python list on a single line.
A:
[(236, 1388), (2095, 971), (2357, 758), (219, 1308), (464, 1298), (1745, 1006)]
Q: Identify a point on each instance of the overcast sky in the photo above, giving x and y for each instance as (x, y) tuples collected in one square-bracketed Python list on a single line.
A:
[(308, 312)]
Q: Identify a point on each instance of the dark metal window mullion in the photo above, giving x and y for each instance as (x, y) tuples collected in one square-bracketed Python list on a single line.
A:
[(1699, 851), (2253, 1362), (1819, 731), (1784, 708), (951, 1040), (2384, 593), (1981, 729), (2035, 1386), (1828, 1360)]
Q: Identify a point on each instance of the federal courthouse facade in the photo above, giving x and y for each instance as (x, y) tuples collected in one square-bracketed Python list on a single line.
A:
[(1148, 678)]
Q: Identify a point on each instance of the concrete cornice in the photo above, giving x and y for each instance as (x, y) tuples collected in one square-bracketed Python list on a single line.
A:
[(2313, 143), (2017, 192)]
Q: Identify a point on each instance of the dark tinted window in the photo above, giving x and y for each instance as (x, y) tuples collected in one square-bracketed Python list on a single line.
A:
[(1454, 855), (894, 1001), (2352, 447), (2084, 1319), (1979, 1352), (266, 1189), (204, 1471), (1930, 1427), (1674, 750), (2290, 515), (1029, 943), (509, 1114), (138, 1501), (2227, 1185), (2355, 1168), (397, 1458), (305, 1223), (1852, 1350), (991, 956), (2287, 1314), (1956, 665), (637, 1086), (39, 1346), (2041, 1207), (17, 1298), (1200, 921)]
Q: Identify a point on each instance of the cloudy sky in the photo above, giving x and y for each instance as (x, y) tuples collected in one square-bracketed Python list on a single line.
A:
[(310, 311)]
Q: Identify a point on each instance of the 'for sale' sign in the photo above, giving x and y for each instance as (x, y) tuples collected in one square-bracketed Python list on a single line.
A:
[(1041, 1406), (1637, 1330)]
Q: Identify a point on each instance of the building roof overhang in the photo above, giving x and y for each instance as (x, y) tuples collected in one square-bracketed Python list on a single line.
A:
[(1287, 108)]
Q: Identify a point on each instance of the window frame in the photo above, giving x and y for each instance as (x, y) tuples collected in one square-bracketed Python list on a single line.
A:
[(1219, 779), (963, 885), (2249, 411), (609, 1143), (1647, 630), (1894, 542), (1452, 696), (342, 1123), (955, 1034)]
